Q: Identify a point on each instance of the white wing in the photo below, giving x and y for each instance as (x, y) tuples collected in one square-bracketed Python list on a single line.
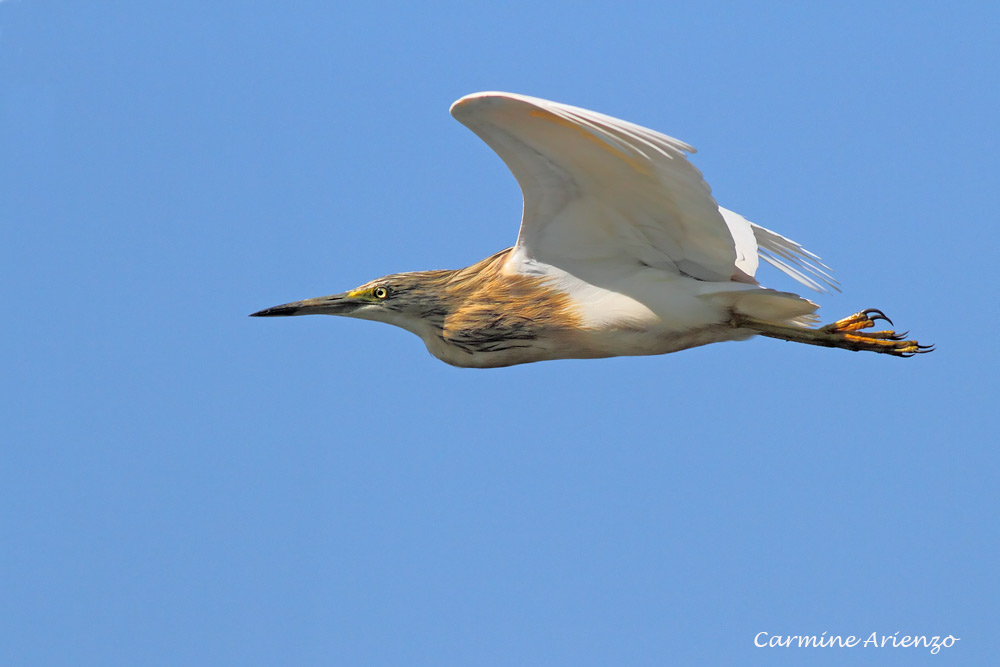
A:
[(794, 260), (598, 188)]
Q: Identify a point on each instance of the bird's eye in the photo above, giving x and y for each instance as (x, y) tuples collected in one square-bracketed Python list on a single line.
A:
[(380, 292)]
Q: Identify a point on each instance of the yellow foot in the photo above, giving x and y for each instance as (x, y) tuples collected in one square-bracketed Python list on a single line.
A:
[(849, 332), (863, 320)]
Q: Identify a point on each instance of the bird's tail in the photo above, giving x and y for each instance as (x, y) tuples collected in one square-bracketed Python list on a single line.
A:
[(766, 304)]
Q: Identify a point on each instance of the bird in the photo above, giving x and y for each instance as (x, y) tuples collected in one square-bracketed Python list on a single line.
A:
[(622, 251)]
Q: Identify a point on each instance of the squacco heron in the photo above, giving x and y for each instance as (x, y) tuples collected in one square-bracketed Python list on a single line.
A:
[(622, 251)]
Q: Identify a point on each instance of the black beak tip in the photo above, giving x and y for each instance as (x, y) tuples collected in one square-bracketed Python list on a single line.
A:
[(277, 311)]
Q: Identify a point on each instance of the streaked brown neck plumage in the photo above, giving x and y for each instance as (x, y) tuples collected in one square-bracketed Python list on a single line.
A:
[(481, 316)]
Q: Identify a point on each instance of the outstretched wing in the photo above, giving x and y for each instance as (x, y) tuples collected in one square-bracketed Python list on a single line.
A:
[(598, 188)]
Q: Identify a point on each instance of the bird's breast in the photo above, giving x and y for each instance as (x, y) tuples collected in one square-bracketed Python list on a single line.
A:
[(506, 321), (496, 316)]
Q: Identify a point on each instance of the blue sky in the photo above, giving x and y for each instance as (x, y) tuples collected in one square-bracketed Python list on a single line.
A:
[(182, 484)]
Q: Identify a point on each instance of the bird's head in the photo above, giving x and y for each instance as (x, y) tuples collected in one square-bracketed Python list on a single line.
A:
[(414, 301)]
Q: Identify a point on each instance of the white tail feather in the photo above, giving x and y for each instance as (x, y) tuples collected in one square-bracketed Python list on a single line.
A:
[(766, 304)]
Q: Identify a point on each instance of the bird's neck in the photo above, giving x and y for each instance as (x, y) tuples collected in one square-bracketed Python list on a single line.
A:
[(485, 316)]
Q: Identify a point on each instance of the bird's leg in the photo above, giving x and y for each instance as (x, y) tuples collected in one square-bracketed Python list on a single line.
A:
[(847, 333)]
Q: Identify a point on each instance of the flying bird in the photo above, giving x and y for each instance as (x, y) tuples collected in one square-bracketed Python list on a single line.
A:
[(622, 251)]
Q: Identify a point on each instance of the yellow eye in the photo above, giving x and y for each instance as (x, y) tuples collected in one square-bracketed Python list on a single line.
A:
[(380, 292)]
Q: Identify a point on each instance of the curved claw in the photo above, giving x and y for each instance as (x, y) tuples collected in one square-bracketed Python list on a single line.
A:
[(883, 335), (917, 348), (874, 314)]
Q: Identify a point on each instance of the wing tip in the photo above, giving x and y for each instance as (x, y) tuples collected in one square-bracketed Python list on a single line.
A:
[(467, 102)]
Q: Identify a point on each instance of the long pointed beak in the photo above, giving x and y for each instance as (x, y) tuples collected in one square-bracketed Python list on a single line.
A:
[(335, 304)]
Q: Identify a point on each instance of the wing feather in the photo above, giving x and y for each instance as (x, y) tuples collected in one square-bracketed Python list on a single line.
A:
[(596, 187), (599, 188), (794, 260)]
